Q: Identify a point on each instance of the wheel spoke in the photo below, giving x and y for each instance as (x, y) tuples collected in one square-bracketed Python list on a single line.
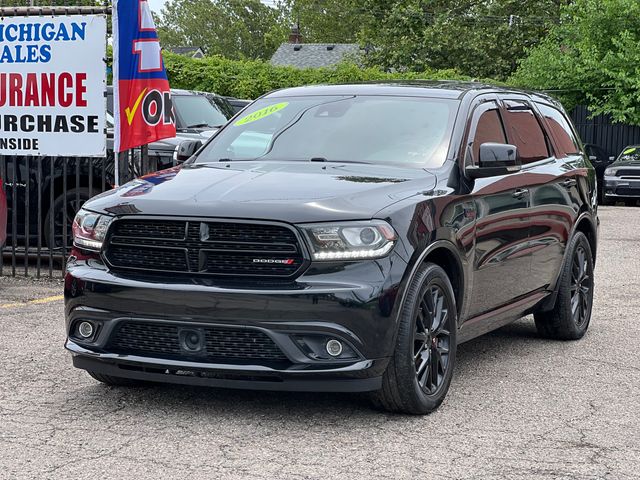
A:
[(423, 370), (575, 301), (584, 308), (434, 370), (421, 337)]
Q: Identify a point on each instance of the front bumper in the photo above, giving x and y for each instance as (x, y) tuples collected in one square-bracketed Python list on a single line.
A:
[(615, 187), (323, 302)]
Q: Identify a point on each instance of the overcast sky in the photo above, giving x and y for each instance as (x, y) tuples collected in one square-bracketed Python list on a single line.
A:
[(156, 5)]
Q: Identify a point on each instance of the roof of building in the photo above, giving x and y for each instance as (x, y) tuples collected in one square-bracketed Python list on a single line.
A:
[(313, 55), (184, 50)]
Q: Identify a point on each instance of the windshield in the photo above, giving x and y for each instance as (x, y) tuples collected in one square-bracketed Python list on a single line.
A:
[(407, 131), (630, 154), (196, 111)]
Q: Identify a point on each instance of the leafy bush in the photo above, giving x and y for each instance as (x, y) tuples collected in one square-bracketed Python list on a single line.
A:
[(252, 78)]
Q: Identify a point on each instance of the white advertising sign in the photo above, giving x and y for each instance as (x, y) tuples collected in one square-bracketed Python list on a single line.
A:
[(52, 85)]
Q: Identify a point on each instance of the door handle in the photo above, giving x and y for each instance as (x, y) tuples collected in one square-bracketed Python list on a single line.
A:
[(520, 192), (569, 182)]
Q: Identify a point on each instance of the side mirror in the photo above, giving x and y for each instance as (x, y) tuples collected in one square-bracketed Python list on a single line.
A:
[(495, 159), (185, 150)]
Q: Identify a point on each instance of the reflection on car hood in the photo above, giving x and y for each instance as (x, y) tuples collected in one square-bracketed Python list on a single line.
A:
[(625, 163), (289, 191)]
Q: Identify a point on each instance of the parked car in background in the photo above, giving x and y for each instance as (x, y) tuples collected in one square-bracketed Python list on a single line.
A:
[(600, 161), (297, 251), (237, 103), (3, 215), (622, 177), (66, 183)]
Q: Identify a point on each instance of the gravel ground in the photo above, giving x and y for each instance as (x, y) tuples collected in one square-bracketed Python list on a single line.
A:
[(519, 406)]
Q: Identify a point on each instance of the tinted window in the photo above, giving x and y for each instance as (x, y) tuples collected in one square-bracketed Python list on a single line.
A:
[(561, 130), (370, 129), (196, 111), (489, 129), (524, 131)]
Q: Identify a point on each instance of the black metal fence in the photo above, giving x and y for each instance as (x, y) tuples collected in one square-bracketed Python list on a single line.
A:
[(601, 131), (44, 194)]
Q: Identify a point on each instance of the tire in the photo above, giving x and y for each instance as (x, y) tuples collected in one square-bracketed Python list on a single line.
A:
[(409, 384), (73, 200), (115, 381), (575, 288)]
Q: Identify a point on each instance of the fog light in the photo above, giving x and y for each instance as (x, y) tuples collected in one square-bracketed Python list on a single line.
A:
[(334, 348), (85, 329)]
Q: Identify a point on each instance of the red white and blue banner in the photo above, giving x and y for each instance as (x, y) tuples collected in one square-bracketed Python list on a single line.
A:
[(142, 101)]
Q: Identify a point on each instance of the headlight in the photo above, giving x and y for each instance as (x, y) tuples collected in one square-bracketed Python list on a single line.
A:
[(610, 172), (89, 230), (350, 240)]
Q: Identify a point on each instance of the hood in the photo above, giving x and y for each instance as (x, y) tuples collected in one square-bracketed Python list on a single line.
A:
[(197, 133), (293, 192), (625, 162)]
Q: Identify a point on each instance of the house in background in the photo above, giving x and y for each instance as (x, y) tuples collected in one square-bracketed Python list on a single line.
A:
[(192, 52), (312, 55)]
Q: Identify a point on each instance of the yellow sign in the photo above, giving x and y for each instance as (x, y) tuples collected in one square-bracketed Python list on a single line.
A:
[(629, 151), (262, 113)]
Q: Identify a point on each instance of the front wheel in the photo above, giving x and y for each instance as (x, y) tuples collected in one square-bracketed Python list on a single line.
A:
[(571, 314), (419, 373)]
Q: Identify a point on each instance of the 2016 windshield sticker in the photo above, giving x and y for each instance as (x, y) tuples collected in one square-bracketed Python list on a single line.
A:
[(260, 114), (629, 151)]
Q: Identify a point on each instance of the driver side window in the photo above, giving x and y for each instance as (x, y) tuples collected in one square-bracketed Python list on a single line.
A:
[(489, 128)]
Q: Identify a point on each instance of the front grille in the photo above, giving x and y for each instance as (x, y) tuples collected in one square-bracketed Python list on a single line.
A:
[(628, 191), (628, 172), (213, 248), (220, 343)]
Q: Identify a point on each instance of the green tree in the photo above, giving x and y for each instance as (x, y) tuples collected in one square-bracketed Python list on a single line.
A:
[(232, 28), (592, 56), (479, 38), (325, 21)]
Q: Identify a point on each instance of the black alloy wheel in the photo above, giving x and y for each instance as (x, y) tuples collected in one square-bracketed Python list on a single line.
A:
[(581, 284), (431, 340), (420, 370), (570, 316)]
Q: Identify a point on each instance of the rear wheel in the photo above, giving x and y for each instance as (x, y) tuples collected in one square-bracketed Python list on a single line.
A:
[(115, 381), (419, 374), (571, 314)]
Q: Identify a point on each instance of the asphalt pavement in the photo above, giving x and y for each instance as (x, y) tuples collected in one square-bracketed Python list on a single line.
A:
[(520, 407)]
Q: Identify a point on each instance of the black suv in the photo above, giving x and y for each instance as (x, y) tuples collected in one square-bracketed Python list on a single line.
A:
[(340, 238)]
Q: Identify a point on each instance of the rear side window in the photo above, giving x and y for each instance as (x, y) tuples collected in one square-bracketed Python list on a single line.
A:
[(561, 130), (488, 129), (524, 131)]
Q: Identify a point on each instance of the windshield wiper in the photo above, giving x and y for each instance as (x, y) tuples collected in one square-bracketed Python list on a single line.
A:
[(314, 159), (198, 125), (324, 160)]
